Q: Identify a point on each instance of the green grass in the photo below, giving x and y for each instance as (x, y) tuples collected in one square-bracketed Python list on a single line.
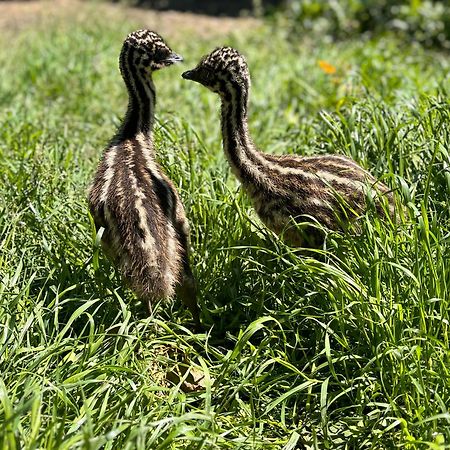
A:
[(344, 348)]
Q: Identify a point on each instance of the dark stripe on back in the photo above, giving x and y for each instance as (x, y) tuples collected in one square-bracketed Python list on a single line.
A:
[(145, 184), (165, 195), (332, 165), (183, 240)]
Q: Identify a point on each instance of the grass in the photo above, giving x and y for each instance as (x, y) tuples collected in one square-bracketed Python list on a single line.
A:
[(344, 348)]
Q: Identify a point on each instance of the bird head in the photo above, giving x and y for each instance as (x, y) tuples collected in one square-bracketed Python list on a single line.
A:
[(223, 69), (146, 51)]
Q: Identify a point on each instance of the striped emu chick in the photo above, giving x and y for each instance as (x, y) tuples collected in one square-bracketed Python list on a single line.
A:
[(331, 189), (146, 232)]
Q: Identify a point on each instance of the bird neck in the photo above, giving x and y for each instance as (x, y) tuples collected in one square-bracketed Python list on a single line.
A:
[(141, 101), (243, 156)]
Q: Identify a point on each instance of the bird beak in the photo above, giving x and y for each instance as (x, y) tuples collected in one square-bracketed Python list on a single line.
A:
[(189, 75), (199, 74), (173, 58)]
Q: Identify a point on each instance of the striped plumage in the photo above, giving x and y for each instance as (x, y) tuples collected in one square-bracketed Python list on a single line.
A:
[(146, 232), (330, 188)]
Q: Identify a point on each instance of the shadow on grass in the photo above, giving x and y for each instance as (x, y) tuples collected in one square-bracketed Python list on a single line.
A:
[(251, 285), (73, 294)]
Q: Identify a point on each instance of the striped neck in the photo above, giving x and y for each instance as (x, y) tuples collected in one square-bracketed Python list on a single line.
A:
[(141, 98), (244, 158)]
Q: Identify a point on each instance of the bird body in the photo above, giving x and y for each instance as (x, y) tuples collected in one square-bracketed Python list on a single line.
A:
[(146, 233), (286, 189)]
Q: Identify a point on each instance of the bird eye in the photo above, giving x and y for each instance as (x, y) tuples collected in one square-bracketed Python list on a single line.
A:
[(160, 54)]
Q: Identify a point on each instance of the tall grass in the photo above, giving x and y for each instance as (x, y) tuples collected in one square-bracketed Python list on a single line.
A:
[(346, 347)]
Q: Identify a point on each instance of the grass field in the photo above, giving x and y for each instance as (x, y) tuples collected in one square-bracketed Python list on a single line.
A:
[(344, 348)]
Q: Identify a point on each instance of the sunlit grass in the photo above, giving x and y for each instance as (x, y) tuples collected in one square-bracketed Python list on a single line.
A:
[(345, 347)]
